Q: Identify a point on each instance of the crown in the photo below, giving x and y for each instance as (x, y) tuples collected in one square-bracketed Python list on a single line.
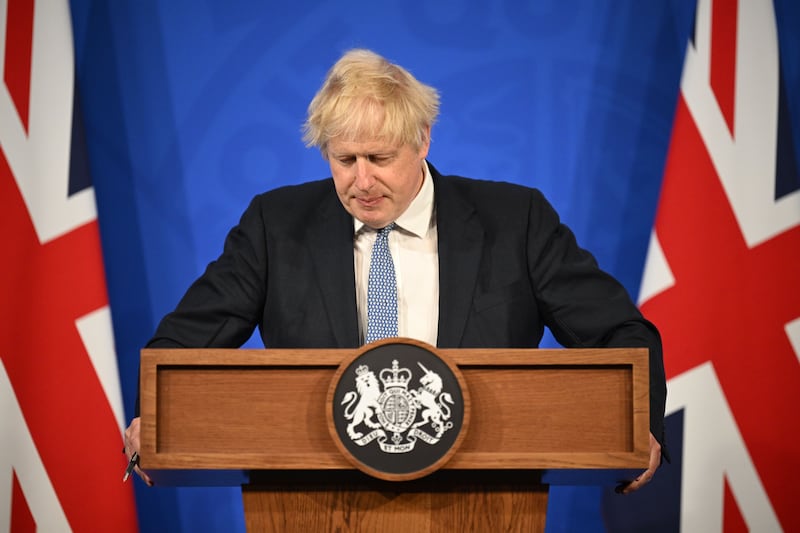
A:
[(361, 370), (396, 377)]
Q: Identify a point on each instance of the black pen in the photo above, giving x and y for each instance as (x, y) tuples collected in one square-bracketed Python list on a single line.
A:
[(131, 465)]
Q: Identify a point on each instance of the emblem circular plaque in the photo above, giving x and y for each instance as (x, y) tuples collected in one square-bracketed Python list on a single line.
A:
[(397, 409)]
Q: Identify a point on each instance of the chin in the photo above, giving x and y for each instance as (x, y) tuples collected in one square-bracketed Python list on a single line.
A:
[(374, 222), (370, 218)]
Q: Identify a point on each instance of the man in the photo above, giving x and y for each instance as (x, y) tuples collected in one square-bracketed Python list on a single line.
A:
[(476, 263)]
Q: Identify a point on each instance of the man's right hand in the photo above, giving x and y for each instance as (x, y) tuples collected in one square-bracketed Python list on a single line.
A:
[(132, 445)]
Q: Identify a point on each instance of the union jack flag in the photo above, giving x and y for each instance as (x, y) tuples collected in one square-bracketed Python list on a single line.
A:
[(61, 412), (721, 282)]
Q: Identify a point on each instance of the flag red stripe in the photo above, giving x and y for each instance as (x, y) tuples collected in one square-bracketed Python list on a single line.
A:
[(17, 72), (46, 288), (723, 57), (21, 518), (732, 519)]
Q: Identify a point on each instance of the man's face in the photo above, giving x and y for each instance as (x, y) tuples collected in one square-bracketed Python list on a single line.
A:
[(376, 181)]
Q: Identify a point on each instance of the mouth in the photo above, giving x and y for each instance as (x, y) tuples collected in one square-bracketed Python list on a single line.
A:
[(368, 201)]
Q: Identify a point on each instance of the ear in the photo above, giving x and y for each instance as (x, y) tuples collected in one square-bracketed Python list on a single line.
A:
[(426, 143)]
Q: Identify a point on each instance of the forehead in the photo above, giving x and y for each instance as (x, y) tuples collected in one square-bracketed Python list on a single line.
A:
[(339, 147)]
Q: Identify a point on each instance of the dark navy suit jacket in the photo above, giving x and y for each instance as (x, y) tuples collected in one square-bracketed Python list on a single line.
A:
[(507, 269)]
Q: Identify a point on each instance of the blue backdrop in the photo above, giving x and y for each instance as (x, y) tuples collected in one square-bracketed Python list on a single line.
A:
[(192, 107)]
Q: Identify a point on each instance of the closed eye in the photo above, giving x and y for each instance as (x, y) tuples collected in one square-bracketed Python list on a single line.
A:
[(375, 159), (380, 159)]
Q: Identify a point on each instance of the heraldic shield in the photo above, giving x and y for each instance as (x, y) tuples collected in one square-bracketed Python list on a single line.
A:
[(398, 410)]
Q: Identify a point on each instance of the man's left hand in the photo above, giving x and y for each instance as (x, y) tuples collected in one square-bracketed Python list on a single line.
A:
[(645, 477)]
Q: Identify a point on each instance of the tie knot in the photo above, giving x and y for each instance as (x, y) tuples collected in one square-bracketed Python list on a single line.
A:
[(384, 231)]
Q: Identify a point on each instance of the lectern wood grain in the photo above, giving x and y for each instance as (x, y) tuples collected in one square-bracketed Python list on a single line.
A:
[(299, 503)]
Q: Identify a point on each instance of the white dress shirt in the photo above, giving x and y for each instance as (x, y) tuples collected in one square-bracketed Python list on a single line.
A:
[(414, 248)]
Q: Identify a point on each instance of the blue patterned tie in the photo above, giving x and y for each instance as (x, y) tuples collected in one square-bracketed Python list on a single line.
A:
[(381, 290)]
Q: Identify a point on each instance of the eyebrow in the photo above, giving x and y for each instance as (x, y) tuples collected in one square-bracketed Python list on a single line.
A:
[(363, 154)]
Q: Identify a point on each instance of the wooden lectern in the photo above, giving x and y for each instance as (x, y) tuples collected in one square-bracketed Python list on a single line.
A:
[(258, 418)]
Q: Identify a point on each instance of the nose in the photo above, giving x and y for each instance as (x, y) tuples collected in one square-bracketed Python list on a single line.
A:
[(363, 178)]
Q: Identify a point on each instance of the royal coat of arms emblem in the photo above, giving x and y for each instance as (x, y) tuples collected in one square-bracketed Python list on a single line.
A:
[(398, 410), (383, 408)]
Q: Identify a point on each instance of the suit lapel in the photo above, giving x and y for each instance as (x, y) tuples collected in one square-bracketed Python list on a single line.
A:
[(330, 238), (460, 245)]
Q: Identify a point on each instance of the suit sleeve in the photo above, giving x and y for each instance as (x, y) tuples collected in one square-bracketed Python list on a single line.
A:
[(221, 309), (584, 306)]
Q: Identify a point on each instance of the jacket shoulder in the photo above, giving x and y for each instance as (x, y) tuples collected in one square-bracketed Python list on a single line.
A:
[(307, 192), (492, 195)]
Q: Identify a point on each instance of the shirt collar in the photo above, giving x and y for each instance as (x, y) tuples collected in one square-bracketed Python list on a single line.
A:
[(417, 218)]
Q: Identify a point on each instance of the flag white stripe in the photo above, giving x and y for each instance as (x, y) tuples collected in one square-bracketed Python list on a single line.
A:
[(658, 275), (18, 452), (793, 332), (95, 331)]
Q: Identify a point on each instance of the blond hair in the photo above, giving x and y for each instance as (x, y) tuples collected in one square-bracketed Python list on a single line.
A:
[(365, 97)]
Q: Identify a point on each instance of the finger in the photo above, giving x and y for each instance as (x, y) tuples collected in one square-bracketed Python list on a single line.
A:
[(636, 484), (646, 476), (131, 437), (142, 474)]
